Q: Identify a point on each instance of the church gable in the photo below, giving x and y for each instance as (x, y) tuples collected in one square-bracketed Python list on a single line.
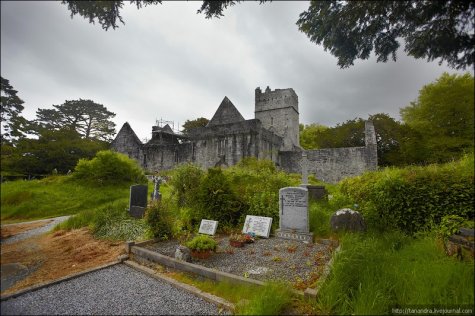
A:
[(127, 134), (225, 114)]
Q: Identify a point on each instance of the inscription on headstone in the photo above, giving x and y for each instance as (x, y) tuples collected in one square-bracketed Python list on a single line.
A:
[(258, 225), (293, 214), (138, 200), (208, 227)]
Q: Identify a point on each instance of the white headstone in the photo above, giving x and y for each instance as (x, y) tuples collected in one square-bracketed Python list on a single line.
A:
[(258, 225), (208, 227), (293, 209)]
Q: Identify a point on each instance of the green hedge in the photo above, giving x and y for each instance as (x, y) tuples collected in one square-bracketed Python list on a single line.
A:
[(414, 198)]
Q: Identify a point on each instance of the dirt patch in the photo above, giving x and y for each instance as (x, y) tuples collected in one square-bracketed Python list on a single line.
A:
[(12, 230), (58, 254)]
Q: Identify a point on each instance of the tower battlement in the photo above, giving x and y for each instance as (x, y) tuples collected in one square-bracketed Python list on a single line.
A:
[(278, 111), (275, 99)]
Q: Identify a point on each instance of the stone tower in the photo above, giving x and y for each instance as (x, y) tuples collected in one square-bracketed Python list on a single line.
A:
[(278, 112)]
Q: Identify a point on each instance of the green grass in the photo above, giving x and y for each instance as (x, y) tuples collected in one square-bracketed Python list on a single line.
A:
[(375, 273), (54, 196), (271, 299), (111, 221)]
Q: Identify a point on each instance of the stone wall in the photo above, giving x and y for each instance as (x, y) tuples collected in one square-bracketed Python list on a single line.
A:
[(334, 164), (226, 145)]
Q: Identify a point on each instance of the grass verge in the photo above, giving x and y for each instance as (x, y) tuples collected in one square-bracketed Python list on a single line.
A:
[(375, 273), (54, 196)]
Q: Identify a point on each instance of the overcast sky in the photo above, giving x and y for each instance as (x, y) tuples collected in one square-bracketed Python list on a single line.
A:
[(167, 62)]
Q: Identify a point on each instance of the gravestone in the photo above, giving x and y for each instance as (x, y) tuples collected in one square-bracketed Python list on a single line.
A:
[(208, 227), (293, 214), (156, 196), (138, 200), (258, 225), (348, 220)]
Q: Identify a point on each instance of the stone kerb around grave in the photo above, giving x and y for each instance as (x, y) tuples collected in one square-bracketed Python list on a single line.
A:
[(293, 214)]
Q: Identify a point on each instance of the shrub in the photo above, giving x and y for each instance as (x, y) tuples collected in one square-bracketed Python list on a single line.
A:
[(186, 180), (216, 200), (157, 218), (202, 243), (109, 167), (414, 198), (257, 183)]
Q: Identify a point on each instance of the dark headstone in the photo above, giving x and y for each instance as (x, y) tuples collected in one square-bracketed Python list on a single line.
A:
[(348, 220), (317, 192), (138, 200)]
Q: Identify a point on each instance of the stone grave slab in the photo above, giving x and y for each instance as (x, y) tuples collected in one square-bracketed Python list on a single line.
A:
[(258, 225), (138, 200), (293, 214), (208, 227)]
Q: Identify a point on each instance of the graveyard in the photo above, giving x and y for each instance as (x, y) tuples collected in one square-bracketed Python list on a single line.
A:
[(318, 247)]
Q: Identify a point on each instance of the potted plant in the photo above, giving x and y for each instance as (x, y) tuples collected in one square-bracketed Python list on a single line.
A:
[(250, 237), (201, 246), (237, 240)]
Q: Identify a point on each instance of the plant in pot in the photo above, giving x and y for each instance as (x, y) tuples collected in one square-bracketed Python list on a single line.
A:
[(237, 240), (201, 246)]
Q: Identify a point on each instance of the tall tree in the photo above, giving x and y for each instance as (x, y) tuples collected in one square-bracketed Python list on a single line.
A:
[(190, 124), (353, 29), (443, 115), (308, 135), (89, 119), (431, 29), (13, 124), (54, 149)]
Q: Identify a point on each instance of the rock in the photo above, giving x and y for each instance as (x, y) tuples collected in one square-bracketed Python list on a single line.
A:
[(347, 219), (183, 253)]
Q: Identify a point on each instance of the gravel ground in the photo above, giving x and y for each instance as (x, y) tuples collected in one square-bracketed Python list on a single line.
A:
[(265, 259), (35, 231), (118, 290)]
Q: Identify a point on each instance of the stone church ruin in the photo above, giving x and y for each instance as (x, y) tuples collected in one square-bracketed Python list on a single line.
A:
[(273, 134)]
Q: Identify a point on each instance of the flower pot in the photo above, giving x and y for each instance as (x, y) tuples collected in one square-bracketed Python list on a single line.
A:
[(237, 244), (201, 254)]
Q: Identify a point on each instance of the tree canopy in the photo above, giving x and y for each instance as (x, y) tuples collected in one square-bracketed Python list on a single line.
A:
[(89, 119), (190, 124), (351, 30), (431, 29), (443, 115), (12, 122)]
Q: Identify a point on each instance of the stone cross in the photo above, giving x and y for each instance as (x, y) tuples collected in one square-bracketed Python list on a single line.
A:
[(156, 190), (304, 166)]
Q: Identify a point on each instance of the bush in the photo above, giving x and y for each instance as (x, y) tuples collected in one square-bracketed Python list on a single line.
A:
[(216, 200), (157, 218), (414, 198), (257, 183), (109, 168), (202, 243), (186, 180)]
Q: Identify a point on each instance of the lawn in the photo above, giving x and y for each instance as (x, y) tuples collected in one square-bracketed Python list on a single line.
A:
[(54, 196)]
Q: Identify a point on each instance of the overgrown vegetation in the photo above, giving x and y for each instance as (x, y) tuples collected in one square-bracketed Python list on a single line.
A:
[(109, 167), (414, 198), (249, 188), (110, 222), (377, 272)]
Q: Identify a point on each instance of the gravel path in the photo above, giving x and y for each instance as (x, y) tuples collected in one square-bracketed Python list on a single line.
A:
[(265, 259), (35, 231), (118, 290)]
